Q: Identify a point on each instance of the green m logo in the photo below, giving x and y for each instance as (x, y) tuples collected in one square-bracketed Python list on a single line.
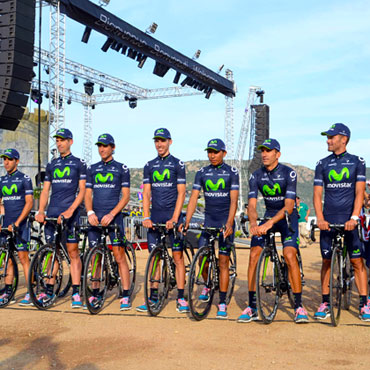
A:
[(213, 142), (61, 174), (160, 131), (160, 177), (211, 186), (334, 176), (268, 191), (100, 178), (13, 189)]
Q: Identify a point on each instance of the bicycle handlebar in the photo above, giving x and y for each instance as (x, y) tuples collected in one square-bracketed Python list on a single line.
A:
[(337, 227)]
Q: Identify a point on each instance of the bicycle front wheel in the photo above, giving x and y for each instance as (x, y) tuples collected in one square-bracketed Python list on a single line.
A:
[(348, 278), (336, 286), (131, 262), (46, 268), (156, 281), (96, 279), (267, 286), (6, 271), (201, 283)]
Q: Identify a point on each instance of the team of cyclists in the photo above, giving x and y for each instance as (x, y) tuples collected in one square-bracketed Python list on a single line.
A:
[(104, 188)]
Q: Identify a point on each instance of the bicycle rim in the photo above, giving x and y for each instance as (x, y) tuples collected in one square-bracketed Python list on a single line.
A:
[(336, 286), (96, 279), (44, 262), (5, 271), (201, 276), (157, 278), (232, 275), (267, 287)]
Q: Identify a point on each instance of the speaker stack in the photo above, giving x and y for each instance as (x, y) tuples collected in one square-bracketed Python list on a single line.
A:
[(17, 34), (261, 133)]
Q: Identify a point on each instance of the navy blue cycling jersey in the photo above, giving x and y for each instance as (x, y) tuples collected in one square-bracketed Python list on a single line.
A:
[(164, 174), (64, 173), (106, 179), (217, 182), (14, 188), (338, 174), (275, 186)]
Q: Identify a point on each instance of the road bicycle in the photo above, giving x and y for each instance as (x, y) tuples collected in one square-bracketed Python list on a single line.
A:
[(101, 272), (205, 273), (272, 280)]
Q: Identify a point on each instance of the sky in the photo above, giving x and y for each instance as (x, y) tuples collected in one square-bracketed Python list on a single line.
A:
[(311, 58)]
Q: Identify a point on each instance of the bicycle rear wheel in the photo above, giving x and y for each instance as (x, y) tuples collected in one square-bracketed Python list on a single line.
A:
[(267, 286), (131, 262), (156, 277), (232, 274), (201, 276), (348, 278), (96, 279), (336, 285), (45, 265), (4, 272)]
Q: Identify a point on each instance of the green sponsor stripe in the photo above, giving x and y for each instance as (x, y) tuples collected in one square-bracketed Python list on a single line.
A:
[(95, 266), (202, 266), (2, 258), (155, 265), (265, 267), (46, 262)]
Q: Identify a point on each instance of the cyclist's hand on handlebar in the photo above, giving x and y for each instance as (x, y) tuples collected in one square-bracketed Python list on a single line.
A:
[(181, 229), (228, 230), (350, 225), (262, 229), (66, 214), (170, 223), (93, 220), (148, 224), (107, 219), (40, 217), (323, 225), (253, 228)]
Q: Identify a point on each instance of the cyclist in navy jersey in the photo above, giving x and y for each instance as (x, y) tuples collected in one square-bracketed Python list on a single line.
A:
[(107, 193), (343, 177), (17, 197), (66, 178), (220, 184), (164, 187), (277, 183)]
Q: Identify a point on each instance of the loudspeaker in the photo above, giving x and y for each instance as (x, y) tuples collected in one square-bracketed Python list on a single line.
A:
[(17, 36), (261, 117)]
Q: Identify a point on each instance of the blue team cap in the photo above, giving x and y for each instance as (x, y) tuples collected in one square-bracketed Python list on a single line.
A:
[(10, 153), (105, 139), (216, 144), (64, 133), (162, 133), (337, 129), (270, 144)]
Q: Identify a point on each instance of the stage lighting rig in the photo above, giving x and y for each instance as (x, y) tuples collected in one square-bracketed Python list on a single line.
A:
[(104, 2), (89, 88), (260, 94), (196, 54), (75, 80), (36, 96), (86, 35), (132, 103)]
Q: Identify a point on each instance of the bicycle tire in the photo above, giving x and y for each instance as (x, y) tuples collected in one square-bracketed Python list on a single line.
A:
[(131, 262), (156, 272), (232, 274), (3, 273), (268, 285), (201, 275), (348, 278), (336, 286), (94, 267), (38, 275)]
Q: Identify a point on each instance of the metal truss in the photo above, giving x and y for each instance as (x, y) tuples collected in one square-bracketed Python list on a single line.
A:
[(229, 121), (87, 143)]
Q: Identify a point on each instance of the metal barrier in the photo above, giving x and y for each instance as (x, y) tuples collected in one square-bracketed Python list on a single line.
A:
[(135, 232)]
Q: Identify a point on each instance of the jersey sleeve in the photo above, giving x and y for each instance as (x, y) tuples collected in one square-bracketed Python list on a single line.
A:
[(146, 174), (27, 183), (82, 170), (48, 175), (234, 179), (181, 175), (125, 177), (89, 179), (198, 180), (291, 188), (253, 186), (319, 175), (361, 170)]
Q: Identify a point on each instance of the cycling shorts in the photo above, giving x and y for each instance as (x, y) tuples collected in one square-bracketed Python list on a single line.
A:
[(224, 245), (22, 239)]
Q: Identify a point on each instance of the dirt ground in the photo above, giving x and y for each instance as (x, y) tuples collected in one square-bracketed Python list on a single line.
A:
[(63, 338)]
